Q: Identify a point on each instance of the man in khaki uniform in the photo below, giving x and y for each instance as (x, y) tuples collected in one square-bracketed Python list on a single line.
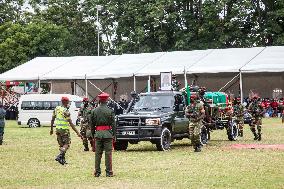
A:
[(257, 112), (61, 117), (196, 113), (85, 130)]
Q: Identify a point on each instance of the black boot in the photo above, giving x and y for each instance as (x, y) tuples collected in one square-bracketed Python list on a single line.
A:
[(61, 158), (109, 174), (86, 147), (1, 142), (259, 137), (241, 134), (197, 148), (255, 136), (96, 174)]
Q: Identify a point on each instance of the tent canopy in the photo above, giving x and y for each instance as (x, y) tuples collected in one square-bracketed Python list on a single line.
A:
[(79, 66), (233, 60), (271, 59), (125, 65), (35, 68)]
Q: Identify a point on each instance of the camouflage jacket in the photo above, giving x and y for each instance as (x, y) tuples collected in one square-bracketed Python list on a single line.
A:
[(102, 116), (85, 113), (239, 110), (256, 109), (193, 111)]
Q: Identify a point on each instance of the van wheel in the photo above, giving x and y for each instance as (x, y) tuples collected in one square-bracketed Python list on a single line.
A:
[(164, 143), (33, 123)]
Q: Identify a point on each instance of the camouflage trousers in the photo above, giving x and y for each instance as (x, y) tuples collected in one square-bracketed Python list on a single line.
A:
[(256, 124), (63, 139), (86, 133), (1, 135), (240, 121), (194, 133)]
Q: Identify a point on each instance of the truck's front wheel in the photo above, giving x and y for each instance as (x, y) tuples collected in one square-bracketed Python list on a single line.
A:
[(120, 145), (164, 143)]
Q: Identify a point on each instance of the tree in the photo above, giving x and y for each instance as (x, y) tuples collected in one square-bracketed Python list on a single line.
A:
[(20, 43)]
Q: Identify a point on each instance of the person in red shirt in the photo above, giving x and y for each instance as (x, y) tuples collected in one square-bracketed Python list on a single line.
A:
[(274, 105)]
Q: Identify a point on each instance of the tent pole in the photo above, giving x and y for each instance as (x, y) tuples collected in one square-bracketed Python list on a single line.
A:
[(149, 84), (134, 82), (241, 86), (74, 87), (185, 78), (50, 87), (86, 85), (38, 89)]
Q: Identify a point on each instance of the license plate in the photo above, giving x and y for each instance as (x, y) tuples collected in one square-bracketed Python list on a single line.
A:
[(128, 133)]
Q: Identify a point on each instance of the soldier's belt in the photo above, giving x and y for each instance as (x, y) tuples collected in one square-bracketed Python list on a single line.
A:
[(103, 127)]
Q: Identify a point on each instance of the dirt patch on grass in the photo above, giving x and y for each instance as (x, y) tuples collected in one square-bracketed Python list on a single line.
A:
[(257, 146)]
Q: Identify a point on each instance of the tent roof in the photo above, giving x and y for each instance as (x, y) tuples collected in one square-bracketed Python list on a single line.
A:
[(257, 59), (79, 66), (225, 60), (270, 60), (125, 65), (176, 62), (35, 68)]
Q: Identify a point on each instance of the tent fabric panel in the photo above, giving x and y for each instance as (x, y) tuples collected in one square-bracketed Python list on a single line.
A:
[(125, 65), (79, 66), (270, 60), (175, 62), (225, 60), (35, 68)]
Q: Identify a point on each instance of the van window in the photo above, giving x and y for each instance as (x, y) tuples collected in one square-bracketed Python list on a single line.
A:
[(39, 105)]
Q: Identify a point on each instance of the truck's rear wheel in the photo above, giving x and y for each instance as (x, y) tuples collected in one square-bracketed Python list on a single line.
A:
[(120, 145), (232, 130), (164, 143)]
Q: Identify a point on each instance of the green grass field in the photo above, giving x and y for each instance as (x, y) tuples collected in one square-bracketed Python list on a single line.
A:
[(27, 161)]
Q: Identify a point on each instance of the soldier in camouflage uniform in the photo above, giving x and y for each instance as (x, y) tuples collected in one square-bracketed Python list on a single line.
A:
[(257, 112), (62, 119), (103, 128), (85, 131), (239, 113), (196, 113), (2, 122)]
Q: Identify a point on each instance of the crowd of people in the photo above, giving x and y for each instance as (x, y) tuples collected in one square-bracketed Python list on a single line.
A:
[(273, 107)]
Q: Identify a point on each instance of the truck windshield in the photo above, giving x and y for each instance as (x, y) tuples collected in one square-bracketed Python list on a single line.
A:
[(149, 102)]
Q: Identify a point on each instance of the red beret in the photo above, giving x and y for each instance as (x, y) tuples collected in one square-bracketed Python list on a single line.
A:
[(64, 98), (85, 99), (103, 97)]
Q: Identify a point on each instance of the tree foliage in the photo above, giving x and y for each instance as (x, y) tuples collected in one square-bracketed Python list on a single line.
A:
[(69, 27)]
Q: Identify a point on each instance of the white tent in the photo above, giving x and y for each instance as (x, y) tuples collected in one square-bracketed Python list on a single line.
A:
[(234, 60), (125, 65), (35, 68), (225, 60), (79, 66), (271, 59), (175, 62)]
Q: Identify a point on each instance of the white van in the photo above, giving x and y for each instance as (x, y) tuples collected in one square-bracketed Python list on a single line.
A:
[(36, 110)]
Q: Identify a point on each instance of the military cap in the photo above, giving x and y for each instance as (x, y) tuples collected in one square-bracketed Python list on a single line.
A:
[(85, 99), (64, 98), (103, 97)]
